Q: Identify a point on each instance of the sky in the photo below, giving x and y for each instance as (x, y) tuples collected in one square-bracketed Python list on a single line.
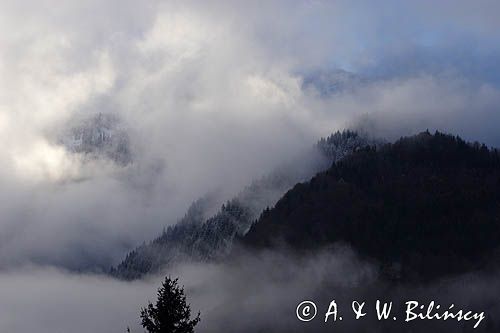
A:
[(212, 95)]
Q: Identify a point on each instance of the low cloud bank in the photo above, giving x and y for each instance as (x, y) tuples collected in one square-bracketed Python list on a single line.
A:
[(249, 293)]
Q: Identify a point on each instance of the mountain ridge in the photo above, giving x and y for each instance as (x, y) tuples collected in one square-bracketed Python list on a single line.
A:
[(425, 206), (196, 238)]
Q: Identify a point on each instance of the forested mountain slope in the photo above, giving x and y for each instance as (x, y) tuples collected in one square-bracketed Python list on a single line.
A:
[(195, 237), (424, 206)]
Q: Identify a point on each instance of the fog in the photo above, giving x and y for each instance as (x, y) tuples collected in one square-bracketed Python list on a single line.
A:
[(211, 95), (251, 292)]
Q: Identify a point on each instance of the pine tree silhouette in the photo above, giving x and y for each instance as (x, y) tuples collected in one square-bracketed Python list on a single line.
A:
[(171, 313)]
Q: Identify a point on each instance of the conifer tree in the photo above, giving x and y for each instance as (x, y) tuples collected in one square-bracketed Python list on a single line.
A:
[(171, 313)]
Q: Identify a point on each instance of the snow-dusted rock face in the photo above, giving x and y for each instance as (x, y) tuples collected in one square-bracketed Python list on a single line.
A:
[(332, 82), (99, 136), (196, 237)]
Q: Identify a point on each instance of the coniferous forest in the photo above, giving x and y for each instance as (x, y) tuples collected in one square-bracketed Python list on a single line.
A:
[(424, 206)]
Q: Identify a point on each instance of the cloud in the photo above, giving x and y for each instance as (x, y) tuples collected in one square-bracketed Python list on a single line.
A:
[(200, 111), (261, 292), (403, 106), (46, 300), (211, 96), (248, 293)]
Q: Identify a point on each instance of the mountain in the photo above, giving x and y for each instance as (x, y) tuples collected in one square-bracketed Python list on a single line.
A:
[(331, 82), (422, 207), (99, 136), (196, 237)]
